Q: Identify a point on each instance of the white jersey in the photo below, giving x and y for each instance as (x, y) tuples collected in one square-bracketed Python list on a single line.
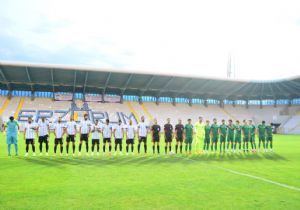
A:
[(30, 132), (106, 129), (142, 129), (96, 132), (43, 128), (118, 129), (71, 127), (59, 130), (85, 126), (130, 129)]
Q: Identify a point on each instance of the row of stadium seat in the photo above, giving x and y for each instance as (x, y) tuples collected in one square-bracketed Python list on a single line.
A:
[(288, 117)]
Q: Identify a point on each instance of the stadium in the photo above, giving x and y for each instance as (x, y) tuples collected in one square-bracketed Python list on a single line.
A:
[(52, 91), (161, 105)]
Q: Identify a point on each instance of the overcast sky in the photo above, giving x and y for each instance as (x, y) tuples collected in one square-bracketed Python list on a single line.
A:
[(174, 36)]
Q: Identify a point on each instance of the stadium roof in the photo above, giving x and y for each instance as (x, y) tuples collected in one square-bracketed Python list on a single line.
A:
[(62, 78)]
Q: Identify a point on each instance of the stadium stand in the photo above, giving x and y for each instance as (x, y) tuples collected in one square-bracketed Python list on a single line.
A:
[(33, 87)]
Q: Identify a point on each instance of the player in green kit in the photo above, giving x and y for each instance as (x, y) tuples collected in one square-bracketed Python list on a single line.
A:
[(230, 135), (252, 130), (223, 134), (188, 130), (246, 133), (261, 129), (269, 132), (214, 132), (206, 137), (238, 135)]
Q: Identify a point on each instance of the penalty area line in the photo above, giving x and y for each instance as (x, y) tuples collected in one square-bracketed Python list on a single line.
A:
[(252, 176)]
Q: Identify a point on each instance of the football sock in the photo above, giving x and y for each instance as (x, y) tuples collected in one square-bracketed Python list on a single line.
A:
[(33, 147), (55, 147), (16, 148), (8, 149), (41, 147)]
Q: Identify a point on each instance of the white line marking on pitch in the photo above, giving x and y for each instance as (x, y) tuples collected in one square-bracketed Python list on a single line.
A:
[(252, 176)]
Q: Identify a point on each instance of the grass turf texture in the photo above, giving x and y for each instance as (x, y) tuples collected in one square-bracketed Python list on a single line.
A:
[(151, 182)]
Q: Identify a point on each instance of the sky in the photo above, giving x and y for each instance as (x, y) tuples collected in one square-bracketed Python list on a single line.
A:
[(182, 37)]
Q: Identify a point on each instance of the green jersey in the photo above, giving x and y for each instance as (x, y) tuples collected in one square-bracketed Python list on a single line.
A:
[(238, 130), (207, 131), (188, 130), (261, 130), (252, 130), (246, 130), (230, 130), (223, 129), (269, 130), (215, 130)]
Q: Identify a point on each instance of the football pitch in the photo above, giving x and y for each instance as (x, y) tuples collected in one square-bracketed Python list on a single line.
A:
[(206, 181)]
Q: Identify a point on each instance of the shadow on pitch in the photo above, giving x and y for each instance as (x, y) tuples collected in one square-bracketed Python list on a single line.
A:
[(61, 162)]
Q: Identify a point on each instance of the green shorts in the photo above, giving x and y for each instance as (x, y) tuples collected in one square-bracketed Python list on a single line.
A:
[(207, 140), (214, 139), (230, 138), (222, 138), (262, 138), (252, 138), (246, 138), (269, 138), (188, 139), (237, 139)]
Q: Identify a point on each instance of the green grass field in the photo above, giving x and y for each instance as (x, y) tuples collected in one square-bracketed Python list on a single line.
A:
[(207, 181)]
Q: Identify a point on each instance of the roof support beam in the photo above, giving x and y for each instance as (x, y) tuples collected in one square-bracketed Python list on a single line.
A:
[(74, 82), (52, 81), (147, 85), (85, 81), (106, 83), (126, 84), (5, 80), (183, 88), (30, 81), (165, 86)]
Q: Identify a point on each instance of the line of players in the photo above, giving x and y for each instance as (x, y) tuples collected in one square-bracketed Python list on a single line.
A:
[(211, 134)]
